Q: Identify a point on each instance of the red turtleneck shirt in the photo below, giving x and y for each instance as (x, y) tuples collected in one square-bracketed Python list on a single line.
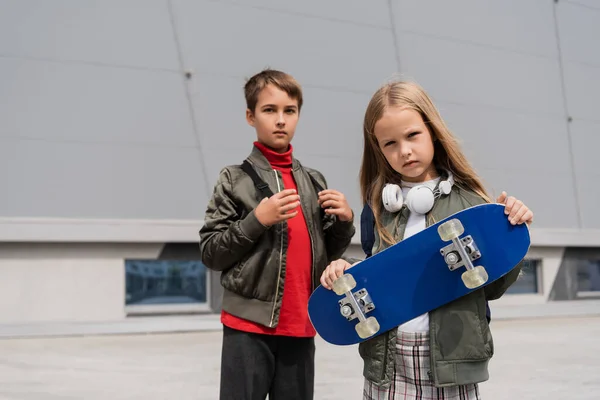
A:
[(293, 316)]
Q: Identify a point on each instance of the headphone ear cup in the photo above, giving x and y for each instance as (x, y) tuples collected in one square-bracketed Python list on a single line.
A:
[(392, 198), (420, 200), (445, 187)]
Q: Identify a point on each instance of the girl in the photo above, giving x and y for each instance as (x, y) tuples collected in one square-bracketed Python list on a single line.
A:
[(413, 174)]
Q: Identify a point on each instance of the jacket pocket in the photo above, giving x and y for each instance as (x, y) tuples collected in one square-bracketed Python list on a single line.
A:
[(486, 332), (237, 271), (256, 277), (459, 333), (374, 353), (231, 278)]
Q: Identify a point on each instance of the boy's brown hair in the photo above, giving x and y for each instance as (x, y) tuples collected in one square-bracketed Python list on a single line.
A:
[(281, 80)]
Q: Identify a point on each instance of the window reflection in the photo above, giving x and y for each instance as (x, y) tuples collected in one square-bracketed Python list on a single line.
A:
[(588, 276), (528, 281), (165, 282)]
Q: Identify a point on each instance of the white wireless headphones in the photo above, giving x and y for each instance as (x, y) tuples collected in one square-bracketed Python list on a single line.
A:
[(419, 199)]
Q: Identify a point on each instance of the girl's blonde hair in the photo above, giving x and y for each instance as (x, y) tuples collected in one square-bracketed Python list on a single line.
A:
[(376, 172)]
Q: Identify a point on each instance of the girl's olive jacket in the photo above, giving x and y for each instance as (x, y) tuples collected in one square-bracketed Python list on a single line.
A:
[(461, 343)]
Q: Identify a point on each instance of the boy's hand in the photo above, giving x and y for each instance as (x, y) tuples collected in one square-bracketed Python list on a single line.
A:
[(335, 203), (333, 271), (515, 209), (277, 208)]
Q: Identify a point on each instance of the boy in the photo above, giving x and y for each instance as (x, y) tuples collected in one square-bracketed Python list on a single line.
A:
[(272, 250)]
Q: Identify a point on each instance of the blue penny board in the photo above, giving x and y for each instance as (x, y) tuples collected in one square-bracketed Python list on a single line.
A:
[(411, 277)]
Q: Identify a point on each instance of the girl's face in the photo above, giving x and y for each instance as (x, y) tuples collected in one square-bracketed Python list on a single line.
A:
[(406, 144)]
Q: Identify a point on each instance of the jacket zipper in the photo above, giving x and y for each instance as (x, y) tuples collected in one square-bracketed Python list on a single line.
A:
[(280, 258), (430, 220), (312, 249)]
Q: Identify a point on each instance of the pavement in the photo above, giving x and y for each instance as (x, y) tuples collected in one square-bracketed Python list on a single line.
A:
[(542, 352)]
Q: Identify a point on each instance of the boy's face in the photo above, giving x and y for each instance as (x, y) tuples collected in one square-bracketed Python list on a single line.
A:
[(274, 118)]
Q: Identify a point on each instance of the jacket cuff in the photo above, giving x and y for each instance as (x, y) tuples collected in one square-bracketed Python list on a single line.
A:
[(344, 226), (251, 226), (351, 260)]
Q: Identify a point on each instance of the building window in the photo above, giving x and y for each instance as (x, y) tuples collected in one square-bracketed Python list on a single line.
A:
[(588, 277), (152, 282), (528, 281)]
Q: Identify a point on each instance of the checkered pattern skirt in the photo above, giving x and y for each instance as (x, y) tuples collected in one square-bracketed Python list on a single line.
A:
[(412, 375)]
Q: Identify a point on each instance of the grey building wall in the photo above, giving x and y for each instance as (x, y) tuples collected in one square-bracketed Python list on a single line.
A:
[(117, 115), (97, 120)]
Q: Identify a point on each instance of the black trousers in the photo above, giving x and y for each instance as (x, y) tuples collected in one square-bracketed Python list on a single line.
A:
[(254, 366)]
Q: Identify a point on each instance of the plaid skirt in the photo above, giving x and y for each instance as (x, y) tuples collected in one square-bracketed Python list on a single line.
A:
[(411, 375)]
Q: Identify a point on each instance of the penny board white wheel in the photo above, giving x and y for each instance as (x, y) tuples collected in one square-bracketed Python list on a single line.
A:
[(367, 328), (450, 230), (343, 284), (475, 277)]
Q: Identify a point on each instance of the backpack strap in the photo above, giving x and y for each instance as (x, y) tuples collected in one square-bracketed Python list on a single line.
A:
[(261, 185), (367, 230)]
